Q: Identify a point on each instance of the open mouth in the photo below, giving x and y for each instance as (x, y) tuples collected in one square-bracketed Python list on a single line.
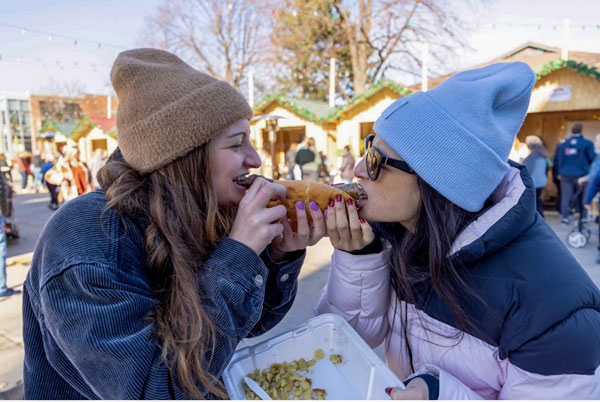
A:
[(363, 197), (240, 179)]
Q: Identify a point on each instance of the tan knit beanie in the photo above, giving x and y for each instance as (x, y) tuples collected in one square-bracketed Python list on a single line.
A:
[(167, 109)]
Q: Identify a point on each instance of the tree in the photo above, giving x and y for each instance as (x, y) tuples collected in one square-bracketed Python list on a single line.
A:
[(401, 29), (223, 38), (368, 37), (304, 38)]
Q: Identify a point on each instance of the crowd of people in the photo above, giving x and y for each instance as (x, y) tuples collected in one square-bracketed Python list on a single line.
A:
[(63, 174), (304, 162)]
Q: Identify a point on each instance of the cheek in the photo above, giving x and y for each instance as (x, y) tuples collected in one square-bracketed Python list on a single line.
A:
[(392, 201)]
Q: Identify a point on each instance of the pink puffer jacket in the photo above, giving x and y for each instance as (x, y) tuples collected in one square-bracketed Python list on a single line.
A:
[(359, 289)]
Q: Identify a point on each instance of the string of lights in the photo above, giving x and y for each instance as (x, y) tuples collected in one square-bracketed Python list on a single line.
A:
[(51, 36), (16, 59)]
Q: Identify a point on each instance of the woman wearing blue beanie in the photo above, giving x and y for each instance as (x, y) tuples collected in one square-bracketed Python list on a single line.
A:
[(472, 292)]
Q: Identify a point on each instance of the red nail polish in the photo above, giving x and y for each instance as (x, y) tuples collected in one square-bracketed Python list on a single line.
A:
[(338, 198), (331, 203), (362, 220), (388, 390), (349, 201)]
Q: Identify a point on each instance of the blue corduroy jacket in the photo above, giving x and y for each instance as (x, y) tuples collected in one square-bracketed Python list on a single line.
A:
[(87, 299)]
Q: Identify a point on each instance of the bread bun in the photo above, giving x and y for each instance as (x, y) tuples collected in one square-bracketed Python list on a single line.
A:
[(307, 191)]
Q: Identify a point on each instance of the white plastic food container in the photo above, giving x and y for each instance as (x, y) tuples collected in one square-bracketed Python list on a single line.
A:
[(362, 374)]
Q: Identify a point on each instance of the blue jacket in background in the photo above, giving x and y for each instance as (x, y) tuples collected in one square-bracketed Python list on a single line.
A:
[(537, 165), (87, 301), (574, 156), (593, 189)]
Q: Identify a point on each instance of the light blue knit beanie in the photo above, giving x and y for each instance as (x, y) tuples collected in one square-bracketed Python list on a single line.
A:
[(458, 135)]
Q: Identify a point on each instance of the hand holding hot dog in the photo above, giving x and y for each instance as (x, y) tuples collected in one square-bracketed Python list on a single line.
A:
[(255, 225)]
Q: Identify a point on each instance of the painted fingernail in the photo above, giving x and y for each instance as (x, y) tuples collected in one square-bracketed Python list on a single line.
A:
[(300, 205), (362, 220), (331, 203), (325, 214), (338, 198), (349, 201), (314, 206), (388, 390)]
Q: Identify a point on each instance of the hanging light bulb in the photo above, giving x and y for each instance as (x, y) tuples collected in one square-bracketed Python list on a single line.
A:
[(294, 13), (23, 31), (49, 37)]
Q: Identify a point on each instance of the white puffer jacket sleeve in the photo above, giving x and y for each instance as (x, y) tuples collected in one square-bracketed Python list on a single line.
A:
[(358, 290)]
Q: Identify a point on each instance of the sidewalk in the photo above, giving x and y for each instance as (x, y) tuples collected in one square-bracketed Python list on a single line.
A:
[(312, 279), (11, 337)]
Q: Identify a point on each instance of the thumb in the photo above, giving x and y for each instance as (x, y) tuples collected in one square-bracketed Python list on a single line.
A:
[(414, 390)]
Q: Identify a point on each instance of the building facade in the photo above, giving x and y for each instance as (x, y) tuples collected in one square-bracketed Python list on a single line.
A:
[(16, 126)]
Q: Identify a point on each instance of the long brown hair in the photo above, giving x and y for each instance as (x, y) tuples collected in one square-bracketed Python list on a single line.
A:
[(178, 207), (421, 258)]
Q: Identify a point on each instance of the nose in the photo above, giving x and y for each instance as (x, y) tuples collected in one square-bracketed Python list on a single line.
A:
[(252, 159), (360, 170)]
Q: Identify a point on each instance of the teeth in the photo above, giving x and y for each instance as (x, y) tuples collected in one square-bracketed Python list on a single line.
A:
[(239, 178)]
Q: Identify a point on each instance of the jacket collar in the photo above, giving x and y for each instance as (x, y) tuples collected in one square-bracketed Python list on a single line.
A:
[(513, 212)]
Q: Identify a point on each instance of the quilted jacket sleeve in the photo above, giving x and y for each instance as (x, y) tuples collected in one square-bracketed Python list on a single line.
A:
[(358, 289)]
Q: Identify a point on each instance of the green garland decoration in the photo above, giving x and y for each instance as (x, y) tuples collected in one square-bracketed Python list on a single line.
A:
[(285, 102), (559, 64), (399, 89)]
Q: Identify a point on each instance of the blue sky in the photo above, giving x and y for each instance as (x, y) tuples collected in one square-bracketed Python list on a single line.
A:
[(29, 60)]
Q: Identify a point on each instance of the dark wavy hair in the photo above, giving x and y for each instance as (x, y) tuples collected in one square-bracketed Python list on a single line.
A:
[(420, 258), (183, 223)]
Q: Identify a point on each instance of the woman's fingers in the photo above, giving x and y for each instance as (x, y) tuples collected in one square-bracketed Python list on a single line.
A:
[(341, 220), (303, 230), (416, 389), (268, 215), (319, 230), (354, 222), (367, 232), (330, 220), (265, 192)]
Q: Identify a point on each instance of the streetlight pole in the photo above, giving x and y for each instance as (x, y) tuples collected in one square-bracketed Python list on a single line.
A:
[(272, 125)]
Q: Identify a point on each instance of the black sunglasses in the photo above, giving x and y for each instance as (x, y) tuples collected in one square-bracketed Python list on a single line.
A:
[(375, 160)]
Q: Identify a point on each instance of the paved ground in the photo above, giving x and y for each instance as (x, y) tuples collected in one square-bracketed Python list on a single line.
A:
[(32, 213)]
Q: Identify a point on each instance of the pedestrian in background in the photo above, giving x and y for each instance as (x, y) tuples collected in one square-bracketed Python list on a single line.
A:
[(6, 166), (308, 159), (97, 161), (79, 171), (144, 289), (6, 212), (573, 158), (593, 189), (324, 168), (472, 294), (595, 167), (37, 162), (290, 161), (347, 165), (23, 165), (538, 164)]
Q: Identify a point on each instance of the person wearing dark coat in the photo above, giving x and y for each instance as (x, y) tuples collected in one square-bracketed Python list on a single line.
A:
[(572, 158)]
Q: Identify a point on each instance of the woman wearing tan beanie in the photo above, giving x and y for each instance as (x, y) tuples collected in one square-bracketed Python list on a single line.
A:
[(143, 289)]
